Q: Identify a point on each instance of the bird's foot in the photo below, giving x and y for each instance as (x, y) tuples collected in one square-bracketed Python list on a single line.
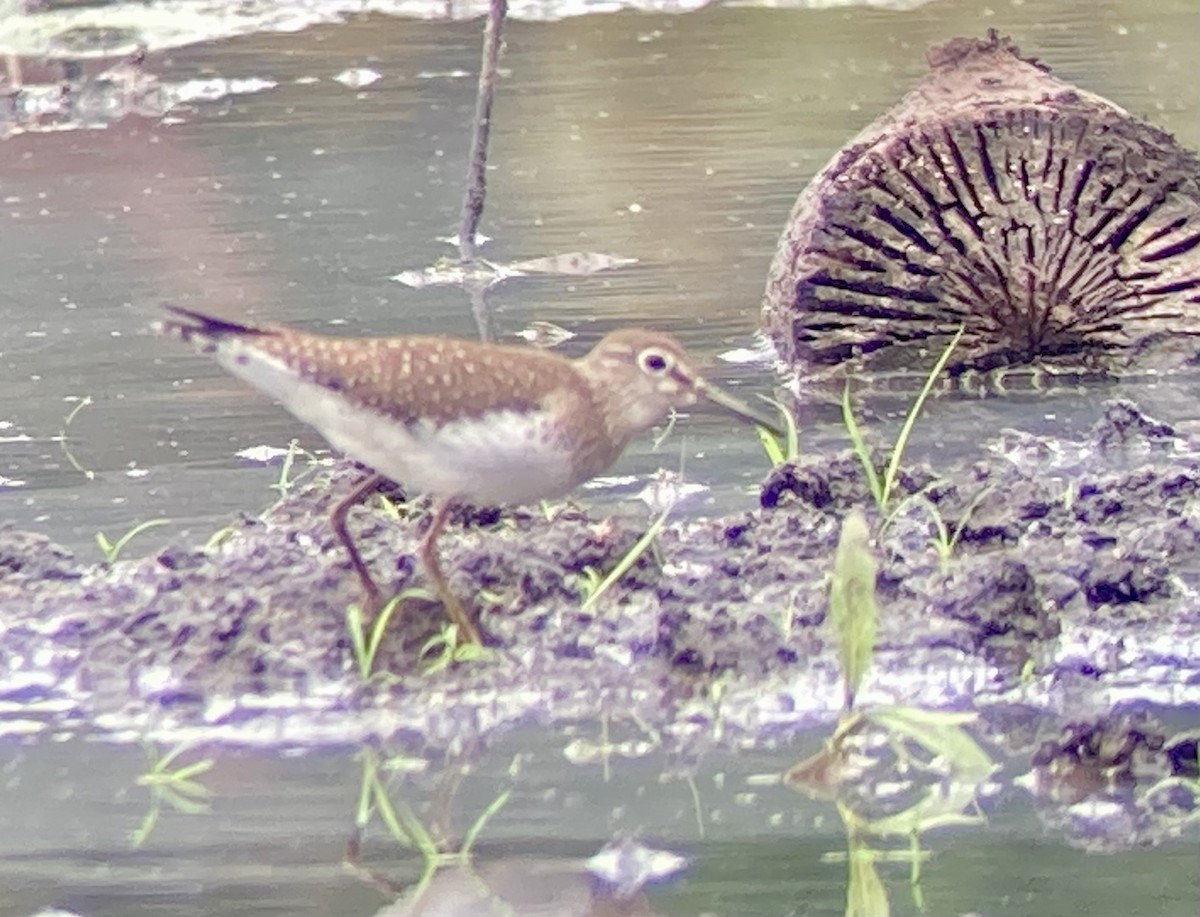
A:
[(468, 633)]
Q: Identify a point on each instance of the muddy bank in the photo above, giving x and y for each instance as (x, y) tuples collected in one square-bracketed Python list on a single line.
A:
[(1072, 588)]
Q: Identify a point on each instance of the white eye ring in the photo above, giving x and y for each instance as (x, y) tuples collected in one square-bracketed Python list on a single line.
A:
[(655, 362)]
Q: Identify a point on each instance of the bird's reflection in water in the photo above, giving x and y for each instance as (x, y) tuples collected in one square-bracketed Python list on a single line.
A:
[(609, 884)]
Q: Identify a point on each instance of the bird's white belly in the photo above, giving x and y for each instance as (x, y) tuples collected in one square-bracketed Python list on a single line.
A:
[(505, 460), (508, 459)]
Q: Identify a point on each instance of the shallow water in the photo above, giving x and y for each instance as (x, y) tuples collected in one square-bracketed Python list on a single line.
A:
[(681, 141), (276, 827)]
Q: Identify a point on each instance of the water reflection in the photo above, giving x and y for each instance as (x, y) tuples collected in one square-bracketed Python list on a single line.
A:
[(454, 881), (1116, 782), (677, 141), (272, 831)]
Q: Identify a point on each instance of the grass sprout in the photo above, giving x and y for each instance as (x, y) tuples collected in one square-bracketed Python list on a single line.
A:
[(596, 588), (944, 540), (390, 507), (665, 434), (286, 481), (444, 648), (883, 481), (789, 450), (219, 537), (589, 581), (364, 641), (112, 549)]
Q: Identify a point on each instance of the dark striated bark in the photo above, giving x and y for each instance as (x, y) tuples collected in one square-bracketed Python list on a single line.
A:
[(1059, 230)]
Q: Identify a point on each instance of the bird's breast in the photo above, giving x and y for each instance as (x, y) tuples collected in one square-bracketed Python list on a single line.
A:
[(499, 457)]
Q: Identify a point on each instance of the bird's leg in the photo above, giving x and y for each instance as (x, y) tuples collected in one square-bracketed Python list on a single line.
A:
[(428, 554), (337, 519)]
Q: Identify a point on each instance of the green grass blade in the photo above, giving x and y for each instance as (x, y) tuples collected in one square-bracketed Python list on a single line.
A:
[(968, 512), (860, 447), (910, 419), (358, 640), (771, 447), (790, 450), (629, 559), (112, 550)]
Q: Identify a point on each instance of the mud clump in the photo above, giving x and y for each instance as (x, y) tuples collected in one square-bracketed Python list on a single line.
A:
[(1056, 229), (1070, 587)]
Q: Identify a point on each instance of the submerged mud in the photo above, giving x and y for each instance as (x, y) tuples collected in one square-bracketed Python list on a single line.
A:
[(1071, 586)]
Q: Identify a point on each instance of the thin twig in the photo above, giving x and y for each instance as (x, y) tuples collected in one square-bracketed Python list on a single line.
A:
[(472, 209)]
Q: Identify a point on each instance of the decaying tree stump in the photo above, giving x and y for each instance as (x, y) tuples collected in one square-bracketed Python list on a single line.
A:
[(1056, 228)]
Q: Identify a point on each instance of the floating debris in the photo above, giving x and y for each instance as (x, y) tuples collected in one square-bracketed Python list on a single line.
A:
[(575, 264), (629, 866), (1051, 225), (545, 334), (264, 455), (480, 239), (124, 90), (452, 272), (667, 489), (358, 77)]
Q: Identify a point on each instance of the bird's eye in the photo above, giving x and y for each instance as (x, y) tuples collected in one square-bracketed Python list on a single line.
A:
[(654, 361)]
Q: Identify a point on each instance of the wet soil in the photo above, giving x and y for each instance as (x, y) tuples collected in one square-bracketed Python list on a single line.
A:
[(1071, 587)]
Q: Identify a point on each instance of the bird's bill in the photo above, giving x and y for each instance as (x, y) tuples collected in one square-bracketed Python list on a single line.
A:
[(740, 409)]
